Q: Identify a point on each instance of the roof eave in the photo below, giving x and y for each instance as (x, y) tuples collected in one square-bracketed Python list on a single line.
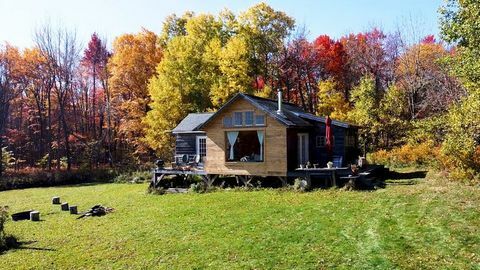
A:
[(188, 131)]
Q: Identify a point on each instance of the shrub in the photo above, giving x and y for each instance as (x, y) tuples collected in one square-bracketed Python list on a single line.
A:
[(408, 155), (134, 177), (300, 185), (8, 160), (156, 191), (3, 219), (33, 177), (197, 188)]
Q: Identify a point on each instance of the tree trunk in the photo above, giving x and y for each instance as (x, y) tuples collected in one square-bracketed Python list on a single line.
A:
[(49, 133), (94, 125), (65, 135), (1, 154)]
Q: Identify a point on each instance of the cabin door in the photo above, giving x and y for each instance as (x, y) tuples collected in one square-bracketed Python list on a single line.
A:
[(302, 148), (202, 147)]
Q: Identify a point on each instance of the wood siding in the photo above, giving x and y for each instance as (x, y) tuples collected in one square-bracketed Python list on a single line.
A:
[(275, 145), (186, 144)]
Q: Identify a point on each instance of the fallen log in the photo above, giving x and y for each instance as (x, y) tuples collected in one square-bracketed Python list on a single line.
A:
[(24, 215)]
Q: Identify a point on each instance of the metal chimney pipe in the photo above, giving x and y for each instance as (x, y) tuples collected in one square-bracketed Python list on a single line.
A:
[(279, 98)]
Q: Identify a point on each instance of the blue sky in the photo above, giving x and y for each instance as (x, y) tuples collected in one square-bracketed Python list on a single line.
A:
[(111, 18)]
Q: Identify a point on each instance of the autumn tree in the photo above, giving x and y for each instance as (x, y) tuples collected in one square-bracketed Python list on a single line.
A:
[(459, 24), (299, 72), (365, 104), (174, 26), (429, 87), (61, 51), (38, 92), (331, 101), (232, 61), (185, 76), (95, 60), (135, 57), (393, 118), (264, 30), (332, 58), (207, 60), (367, 56), (9, 68), (96, 101)]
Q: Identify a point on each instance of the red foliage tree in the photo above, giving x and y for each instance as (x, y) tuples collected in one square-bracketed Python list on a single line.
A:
[(95, 61), (367, 56), (332, 58)]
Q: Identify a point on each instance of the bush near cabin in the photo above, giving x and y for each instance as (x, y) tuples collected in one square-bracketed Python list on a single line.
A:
[(408, 155)]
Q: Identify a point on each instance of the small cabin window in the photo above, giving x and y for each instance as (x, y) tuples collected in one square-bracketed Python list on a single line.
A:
[(320, 141), (227, 121), (260, 120), (202, 147), (248, 118), (238, 118), (349, 141)]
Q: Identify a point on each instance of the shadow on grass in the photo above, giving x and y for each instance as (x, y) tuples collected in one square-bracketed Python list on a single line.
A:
[(12, 243), (87, 184), (405, 178)]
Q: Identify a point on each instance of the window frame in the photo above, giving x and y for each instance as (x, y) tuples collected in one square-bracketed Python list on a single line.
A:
[(350, 141), (320, 139), (227, 148), (245, 118), (235, 114), (264, 120), (231, 121), (198, 139)]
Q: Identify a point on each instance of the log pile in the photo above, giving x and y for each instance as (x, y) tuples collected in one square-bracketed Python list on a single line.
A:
[(96, 211)]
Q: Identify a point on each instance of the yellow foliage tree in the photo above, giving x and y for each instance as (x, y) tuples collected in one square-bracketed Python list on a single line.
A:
[(331, 101), (134, 59), (233, 66), (185, 77)]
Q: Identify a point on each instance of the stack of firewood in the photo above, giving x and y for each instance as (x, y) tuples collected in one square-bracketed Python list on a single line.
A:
[(96, 211)]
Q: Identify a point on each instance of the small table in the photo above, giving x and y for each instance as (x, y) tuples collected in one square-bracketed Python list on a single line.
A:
[(320, 171)]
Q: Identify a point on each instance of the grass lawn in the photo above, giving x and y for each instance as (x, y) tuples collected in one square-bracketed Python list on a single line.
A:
[(429, 225)]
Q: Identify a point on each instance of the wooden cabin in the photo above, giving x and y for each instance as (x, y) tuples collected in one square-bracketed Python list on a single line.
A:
[(254, 136)]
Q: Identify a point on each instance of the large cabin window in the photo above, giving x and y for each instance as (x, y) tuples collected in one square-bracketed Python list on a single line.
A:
[(245, 146)]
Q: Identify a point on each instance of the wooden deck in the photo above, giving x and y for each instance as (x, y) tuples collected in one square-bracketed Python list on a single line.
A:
[(330, 175), (333, 175), (159, 174), (168, 171)]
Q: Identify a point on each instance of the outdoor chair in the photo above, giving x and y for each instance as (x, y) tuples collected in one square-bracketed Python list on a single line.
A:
[(337, 161)]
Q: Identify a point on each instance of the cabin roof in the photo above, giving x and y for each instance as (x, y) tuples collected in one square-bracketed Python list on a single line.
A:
[(292, 116), (190, 123)]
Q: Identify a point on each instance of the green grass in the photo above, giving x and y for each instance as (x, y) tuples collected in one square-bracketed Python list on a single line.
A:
[(430, 225)]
